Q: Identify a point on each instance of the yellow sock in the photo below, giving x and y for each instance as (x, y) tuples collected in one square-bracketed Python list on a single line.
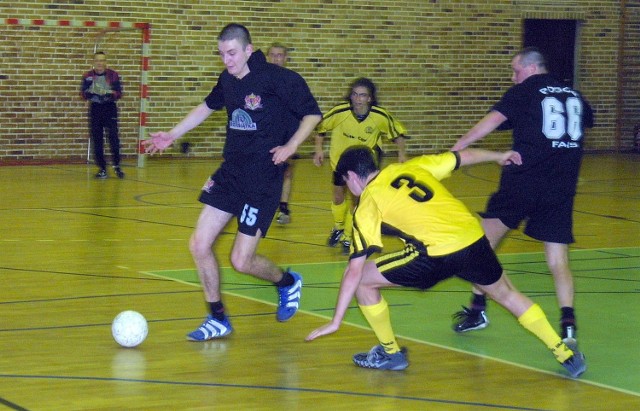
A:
[(377, 316), (348, 221), (338, 211), (536, 321)]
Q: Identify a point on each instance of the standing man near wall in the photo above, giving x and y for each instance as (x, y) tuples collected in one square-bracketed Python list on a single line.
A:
[(548, 121), (260, 100), (102, 88), (278, 54), (359, 120)]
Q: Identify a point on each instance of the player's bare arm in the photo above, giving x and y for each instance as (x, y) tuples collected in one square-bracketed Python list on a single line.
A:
[(402, 152), (350, 282), (160, 140), (318, 155), (482, 128), (282, 153), (470, 156)]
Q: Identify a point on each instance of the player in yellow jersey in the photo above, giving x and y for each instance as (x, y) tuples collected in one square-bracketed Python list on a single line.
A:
[(360, 120), (442, 239)]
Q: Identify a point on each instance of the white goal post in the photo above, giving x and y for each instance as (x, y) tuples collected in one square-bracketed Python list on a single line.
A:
[(14, 77)]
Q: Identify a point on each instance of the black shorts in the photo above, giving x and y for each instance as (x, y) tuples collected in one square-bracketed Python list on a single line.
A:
[(548, 218), (412, 267), (253, 211)]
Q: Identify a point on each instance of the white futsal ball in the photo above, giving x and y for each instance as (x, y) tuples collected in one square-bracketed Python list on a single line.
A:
[(129, 328)]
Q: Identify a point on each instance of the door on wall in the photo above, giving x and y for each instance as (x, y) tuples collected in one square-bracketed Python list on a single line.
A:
[(556, 39)]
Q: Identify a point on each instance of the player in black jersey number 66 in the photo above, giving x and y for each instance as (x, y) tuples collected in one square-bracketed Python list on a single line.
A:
[(548, 119)]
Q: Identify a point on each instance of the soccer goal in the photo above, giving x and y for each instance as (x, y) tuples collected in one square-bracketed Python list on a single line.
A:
[(43, 116)]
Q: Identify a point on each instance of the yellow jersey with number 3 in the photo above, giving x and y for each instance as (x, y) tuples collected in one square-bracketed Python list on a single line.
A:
[(408, 201)]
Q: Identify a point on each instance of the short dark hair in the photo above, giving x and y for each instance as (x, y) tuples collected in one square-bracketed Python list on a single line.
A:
[(235, 31), (369, 85), (360, 159), (532, 55), (278, 46)]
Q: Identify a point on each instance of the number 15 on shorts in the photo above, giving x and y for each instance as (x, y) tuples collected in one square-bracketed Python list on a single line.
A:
[(249, 215)]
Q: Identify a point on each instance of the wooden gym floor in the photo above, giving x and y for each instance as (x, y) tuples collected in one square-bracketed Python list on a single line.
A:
[(75, 251)]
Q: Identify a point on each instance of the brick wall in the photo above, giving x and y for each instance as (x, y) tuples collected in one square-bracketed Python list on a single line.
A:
[(43, 116), (439, 65), (630, 76)]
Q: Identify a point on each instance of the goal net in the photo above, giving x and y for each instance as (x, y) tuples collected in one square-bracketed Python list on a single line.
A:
[(43, 117)]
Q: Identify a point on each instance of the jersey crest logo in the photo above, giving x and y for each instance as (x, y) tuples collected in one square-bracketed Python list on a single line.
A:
[(241, 120), (252, 102), (208, 185)]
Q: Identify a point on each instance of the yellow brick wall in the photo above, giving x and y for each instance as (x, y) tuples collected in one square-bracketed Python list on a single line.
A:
[(439, 65), (630, 76)]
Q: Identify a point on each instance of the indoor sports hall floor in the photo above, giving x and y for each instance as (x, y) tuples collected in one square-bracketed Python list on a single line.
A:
[(75, 251)]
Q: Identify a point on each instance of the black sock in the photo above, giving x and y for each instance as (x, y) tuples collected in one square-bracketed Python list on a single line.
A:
[(478, 302), (284, 207), (287, 280), (567, 317), (217, 310)]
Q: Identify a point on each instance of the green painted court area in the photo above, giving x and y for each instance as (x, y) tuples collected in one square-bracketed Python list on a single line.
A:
[(607, 283)]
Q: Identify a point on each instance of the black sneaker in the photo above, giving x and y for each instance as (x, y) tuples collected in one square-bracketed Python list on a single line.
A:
[(334, 237), (469, 320), (378, 359), (118, 172), (575, 364), (102, 174), (346, 247)]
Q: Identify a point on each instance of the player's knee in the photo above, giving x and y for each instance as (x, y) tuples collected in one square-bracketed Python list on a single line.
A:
[(198, 247), (240, 262), (500, 291), (559, 267)]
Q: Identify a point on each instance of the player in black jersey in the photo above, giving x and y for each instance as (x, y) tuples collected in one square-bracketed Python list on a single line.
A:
[(278, 54), (548, 120), (264, 104)]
